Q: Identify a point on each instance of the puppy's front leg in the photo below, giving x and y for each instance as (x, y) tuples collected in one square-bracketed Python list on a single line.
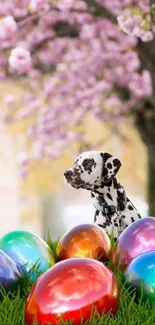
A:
[(101, 220)]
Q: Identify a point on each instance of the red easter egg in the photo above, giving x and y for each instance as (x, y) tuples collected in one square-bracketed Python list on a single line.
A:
[(138, 238), (69, 290), (85, 240)]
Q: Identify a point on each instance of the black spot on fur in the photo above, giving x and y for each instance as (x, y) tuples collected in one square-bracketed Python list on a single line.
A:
[(117, 165), (130, 207), (102, 225), (139, 216), (108, 222), (132, 219), (108, 184), (109, 165), (116, 162), (96, 214), (101, 198), (115, 182), (76, 161), (106, 156), (92, 194), (88, 164), (96, 187), (109, 196), (105, 172), (119, 194)]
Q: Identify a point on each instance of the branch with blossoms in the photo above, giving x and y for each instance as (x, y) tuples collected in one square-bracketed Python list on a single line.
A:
[(75, 60)]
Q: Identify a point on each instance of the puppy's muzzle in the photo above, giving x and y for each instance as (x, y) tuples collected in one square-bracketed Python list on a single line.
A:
[(68, 175)]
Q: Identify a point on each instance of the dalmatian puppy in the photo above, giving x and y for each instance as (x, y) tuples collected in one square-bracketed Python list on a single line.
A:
[(96, 172)]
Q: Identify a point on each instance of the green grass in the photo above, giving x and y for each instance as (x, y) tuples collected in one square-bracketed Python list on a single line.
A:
[(132, 311)]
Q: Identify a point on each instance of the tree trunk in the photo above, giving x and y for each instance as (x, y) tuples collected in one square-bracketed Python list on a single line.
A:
[(145, 122), (145, 118), (151, 183)]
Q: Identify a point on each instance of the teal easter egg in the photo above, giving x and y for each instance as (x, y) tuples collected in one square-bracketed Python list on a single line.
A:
[(29, 251), (140, 274)]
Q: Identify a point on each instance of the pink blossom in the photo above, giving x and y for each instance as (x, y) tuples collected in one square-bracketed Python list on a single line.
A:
[(38, 5), (20, 60), (65, 5), (8, 27), (8, 32), (141, 85), (23, 160), (133, 26), (147, 36), (129, 25), (31, 107), (88, 31), (9, 99)]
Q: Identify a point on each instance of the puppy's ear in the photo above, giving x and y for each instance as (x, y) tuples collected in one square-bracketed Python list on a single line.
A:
[(111, 166)]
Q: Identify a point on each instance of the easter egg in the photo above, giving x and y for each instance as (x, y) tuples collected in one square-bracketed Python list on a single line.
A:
[(10, 273), (70, 290), (138, 238), (85, 240), (27, 250), (140, 274)]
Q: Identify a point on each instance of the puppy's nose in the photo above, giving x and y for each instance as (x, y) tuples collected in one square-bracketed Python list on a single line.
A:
[(68, 173)]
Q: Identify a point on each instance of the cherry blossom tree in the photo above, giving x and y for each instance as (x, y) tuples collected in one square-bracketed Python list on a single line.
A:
[(83, 56)]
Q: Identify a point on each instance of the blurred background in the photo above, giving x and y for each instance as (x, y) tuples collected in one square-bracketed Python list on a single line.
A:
[(40, 201)]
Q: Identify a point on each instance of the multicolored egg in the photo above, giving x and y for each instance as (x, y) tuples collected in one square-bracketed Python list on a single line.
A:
[(27, 250), (10, 272), (140, 274), (138, 238), (85, 240), (70, 290)]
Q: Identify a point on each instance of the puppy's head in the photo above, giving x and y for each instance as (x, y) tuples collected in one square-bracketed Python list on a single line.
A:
[(92, 168)]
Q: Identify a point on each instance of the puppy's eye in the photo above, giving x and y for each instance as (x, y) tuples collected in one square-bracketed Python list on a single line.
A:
[(88, 163)]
